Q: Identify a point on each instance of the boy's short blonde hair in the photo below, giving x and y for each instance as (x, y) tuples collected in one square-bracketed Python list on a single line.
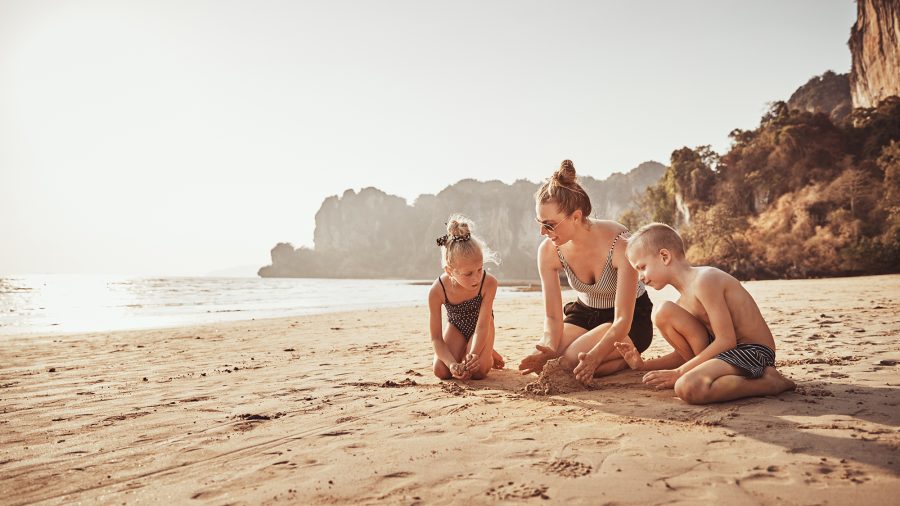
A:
[(656, 236)]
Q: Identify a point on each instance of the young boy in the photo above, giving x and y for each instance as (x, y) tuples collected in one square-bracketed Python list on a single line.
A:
[(723, 348)]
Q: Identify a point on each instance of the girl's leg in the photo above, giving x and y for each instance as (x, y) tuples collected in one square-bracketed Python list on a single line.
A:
[(457, 345)]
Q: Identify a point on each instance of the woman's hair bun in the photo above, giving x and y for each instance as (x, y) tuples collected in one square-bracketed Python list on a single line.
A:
[(566, 173)]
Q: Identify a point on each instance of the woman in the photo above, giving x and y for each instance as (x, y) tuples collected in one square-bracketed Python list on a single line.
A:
[(612, 304)]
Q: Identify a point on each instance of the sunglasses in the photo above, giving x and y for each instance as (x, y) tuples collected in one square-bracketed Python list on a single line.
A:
[(549, 227)]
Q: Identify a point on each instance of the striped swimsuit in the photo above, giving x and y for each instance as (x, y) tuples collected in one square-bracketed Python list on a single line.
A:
[(602, 294)]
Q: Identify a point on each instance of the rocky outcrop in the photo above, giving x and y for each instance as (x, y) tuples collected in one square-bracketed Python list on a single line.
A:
[(875, 48), (370, 234), (828, 94)]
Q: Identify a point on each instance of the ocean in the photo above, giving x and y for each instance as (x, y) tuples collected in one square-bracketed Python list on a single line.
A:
[(53, 304)]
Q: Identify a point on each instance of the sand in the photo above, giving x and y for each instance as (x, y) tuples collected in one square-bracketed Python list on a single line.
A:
[(343, 408)]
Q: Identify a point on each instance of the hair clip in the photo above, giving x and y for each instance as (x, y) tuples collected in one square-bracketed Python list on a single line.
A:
[(442, 240)]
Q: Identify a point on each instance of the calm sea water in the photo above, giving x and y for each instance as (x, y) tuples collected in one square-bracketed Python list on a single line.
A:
[(61, 304)]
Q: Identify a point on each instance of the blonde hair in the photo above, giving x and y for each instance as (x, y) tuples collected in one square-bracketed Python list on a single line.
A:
[(460, 242), (656, 236), (562, 188)]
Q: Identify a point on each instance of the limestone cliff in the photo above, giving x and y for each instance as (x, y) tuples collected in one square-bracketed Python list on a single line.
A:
[(370, 234), (828, 94), (875, 48)]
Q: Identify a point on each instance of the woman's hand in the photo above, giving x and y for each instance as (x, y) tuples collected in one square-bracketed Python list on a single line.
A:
[(535, 362), (662, 379), (584, 371)]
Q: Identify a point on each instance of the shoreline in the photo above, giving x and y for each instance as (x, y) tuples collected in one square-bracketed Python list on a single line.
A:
[(343, 408)]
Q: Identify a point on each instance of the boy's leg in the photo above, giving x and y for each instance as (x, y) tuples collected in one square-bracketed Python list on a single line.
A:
[(682, 330), (718, 381), (456, 343)]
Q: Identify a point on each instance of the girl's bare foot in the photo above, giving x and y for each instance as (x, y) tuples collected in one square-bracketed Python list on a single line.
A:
[(631, 355), (499, 363)]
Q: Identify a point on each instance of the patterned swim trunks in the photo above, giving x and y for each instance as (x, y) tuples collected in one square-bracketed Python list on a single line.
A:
[(751, 359)]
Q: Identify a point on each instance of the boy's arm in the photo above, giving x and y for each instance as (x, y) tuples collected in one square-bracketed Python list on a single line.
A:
[(711, 295), (435, 328), (485, 316)]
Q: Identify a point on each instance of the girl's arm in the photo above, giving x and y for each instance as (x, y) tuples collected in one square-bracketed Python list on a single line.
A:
[(485, 315), (623, 314), (435, 299)]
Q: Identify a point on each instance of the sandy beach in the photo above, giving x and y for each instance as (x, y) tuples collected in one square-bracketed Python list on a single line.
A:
[(343, 408)]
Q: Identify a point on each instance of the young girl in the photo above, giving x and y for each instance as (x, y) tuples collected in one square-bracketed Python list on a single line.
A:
[(466, 348)]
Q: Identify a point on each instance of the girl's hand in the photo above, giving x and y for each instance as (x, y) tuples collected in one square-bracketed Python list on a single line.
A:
[(459, 371), (471, 362), (535, 362), (584, 371)]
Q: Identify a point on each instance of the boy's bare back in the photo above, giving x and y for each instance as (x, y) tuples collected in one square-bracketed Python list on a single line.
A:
[(741, 312)]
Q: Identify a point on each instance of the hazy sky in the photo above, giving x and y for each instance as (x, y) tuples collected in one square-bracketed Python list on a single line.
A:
[(180, 137)]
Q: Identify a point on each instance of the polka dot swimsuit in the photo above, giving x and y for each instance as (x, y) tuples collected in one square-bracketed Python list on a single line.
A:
[(464, 316)]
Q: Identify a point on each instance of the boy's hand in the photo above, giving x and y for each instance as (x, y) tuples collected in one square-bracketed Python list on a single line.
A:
[(662, 379), (535, 362), (631, 355), (584, 371)]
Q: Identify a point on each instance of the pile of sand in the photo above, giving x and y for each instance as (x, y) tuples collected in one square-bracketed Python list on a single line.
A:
[(554, 379)]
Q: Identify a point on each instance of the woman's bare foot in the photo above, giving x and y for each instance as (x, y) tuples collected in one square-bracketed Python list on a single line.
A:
[(499, 363), (631, 355)]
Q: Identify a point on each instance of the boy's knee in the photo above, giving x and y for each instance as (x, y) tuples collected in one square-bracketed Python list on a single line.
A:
[(665, 312), (691, 390)]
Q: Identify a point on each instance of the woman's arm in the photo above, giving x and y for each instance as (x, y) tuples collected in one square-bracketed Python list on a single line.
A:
[(548, 268), (548, 346), (623, 314)]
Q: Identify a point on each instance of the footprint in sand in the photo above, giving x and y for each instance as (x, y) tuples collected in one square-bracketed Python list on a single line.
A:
[(513, 490), (566, 468)]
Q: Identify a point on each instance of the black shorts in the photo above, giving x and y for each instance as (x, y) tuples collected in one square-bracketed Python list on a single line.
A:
[(588, 318)]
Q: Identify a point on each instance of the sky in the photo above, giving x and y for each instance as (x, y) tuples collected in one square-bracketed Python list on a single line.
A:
[(182, 137)]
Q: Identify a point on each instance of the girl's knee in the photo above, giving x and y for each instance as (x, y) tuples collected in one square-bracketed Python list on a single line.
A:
[(441, 370)]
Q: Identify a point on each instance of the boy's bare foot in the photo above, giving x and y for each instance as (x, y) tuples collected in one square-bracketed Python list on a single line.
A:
[(779, 382), (499, 363), (631, 355)]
